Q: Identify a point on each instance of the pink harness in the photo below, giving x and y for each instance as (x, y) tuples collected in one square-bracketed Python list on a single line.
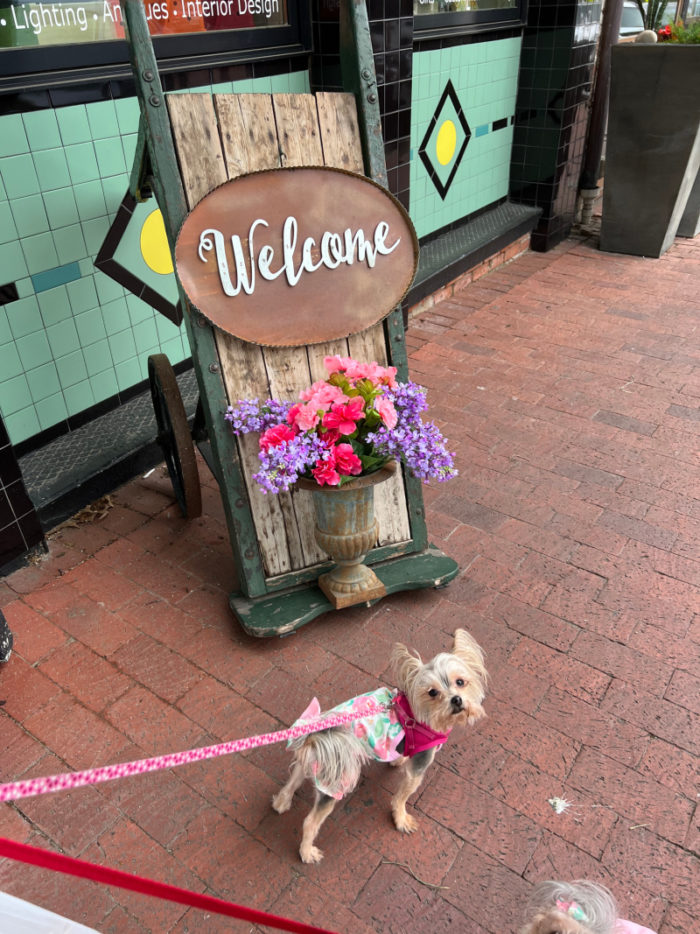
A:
[(417, 736)]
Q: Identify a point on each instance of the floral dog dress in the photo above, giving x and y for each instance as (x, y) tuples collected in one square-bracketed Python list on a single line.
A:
[(383, 731)]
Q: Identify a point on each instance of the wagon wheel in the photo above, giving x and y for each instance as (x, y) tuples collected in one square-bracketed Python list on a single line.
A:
[(174, 435)]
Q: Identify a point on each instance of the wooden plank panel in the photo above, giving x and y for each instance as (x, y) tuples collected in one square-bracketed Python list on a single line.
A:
[(297, 130), (342, 148), (289, 369), (340, 134), (390, 504), (203, 167), (244, 374), (248, 132), (197, 143), (249, 141), (252, 132), (288, 374)]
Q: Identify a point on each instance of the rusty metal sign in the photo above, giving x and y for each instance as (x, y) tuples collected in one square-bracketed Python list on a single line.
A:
[(298, 256)]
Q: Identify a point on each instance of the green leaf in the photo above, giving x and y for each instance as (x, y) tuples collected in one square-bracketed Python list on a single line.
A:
[(372, 462)]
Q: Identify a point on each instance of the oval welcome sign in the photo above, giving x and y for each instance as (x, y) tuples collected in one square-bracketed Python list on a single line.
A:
[(297, 256)]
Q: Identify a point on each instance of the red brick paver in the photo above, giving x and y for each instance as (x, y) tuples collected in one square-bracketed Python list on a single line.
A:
[(569, 385)]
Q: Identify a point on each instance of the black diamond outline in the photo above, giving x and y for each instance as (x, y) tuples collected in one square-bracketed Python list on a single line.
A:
[(452, 94), (106, 263)]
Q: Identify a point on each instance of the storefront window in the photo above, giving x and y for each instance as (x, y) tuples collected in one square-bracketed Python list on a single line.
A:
[(442, 17), (423, 7), (41, 38), (69, 22)]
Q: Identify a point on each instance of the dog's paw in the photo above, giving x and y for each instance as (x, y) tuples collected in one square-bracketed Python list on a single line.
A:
[(311, 854), (281, 802), (405, 823)]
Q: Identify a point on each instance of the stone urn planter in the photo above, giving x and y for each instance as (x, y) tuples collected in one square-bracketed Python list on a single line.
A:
[(653, 146), (347, 530)]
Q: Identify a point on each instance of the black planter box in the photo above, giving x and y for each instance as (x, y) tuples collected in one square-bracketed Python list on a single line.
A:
[(653, 146)]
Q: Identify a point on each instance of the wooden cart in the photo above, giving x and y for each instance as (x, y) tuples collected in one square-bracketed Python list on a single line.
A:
[(188, 145)]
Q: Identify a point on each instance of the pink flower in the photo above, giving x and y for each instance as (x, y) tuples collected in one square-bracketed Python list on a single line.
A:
[(305, 417), (386, 411), (343, 417), (356, 371), (336, 364), (325, 473), (388, 376), (346, 461), (329, 436), (322, 394), (276, 435), (323, 401)]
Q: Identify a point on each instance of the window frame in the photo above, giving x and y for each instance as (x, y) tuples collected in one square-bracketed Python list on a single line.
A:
[(60, 64), (437, 25)]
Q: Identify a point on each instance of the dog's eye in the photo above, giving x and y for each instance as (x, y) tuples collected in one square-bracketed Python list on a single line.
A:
[(433, 692), (460, 682)]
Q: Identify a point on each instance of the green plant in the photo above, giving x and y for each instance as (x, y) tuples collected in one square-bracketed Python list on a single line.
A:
[(687, 35), (652, 13)]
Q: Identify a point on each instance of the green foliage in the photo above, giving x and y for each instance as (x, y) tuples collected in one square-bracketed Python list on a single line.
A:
[(686, 34), (652, 13)]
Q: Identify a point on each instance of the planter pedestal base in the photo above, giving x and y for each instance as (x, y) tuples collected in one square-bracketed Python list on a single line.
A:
[(280, 613), (359, 585)]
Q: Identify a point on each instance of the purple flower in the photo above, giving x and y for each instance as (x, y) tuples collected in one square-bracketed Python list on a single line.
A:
[(249, 415), (282, 465)]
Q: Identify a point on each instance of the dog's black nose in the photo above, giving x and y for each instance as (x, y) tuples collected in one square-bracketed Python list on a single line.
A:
[(456, 702)]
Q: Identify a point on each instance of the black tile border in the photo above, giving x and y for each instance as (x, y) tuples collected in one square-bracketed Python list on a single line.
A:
[(87, 415), (20, 529), (509, 233)]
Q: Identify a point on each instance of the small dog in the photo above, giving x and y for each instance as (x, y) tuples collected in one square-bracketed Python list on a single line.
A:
[(575, 908), (433, 697)]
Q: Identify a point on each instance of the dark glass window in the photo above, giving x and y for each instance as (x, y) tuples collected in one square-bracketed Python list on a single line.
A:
[(424, 7), (40, 36), (435, 17), (70, 22)]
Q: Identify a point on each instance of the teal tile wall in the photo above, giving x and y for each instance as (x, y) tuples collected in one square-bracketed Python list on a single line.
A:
[(485, 77), (75, 337)]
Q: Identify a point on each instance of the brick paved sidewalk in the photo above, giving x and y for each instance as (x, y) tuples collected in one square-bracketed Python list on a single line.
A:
[(569, 384)]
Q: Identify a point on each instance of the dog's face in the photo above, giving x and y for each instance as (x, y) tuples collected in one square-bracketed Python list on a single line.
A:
[(448, 690)]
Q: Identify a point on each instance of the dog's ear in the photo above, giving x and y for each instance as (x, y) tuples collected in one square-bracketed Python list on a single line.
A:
[(405, 665), (470, 652)]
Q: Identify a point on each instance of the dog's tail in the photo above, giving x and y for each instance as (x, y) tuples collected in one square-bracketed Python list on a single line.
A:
[(333, 759)]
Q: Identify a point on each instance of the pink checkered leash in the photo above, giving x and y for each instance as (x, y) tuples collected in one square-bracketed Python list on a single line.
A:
[(29, 787)]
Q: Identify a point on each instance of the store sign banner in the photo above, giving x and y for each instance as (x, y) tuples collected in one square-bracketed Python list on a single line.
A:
[(296, 256), (61, 23)]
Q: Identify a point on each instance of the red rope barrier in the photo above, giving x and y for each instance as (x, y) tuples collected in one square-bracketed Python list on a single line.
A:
[(46, 859)]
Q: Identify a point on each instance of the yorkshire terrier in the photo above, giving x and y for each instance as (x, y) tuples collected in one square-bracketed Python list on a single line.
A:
[(432, 698), (575, 908)]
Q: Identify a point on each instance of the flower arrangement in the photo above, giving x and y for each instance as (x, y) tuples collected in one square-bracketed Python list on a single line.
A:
[(677, 32), (350, 424)]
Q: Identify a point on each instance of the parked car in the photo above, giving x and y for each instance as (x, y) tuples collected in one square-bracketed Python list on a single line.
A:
[(632, 21)]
